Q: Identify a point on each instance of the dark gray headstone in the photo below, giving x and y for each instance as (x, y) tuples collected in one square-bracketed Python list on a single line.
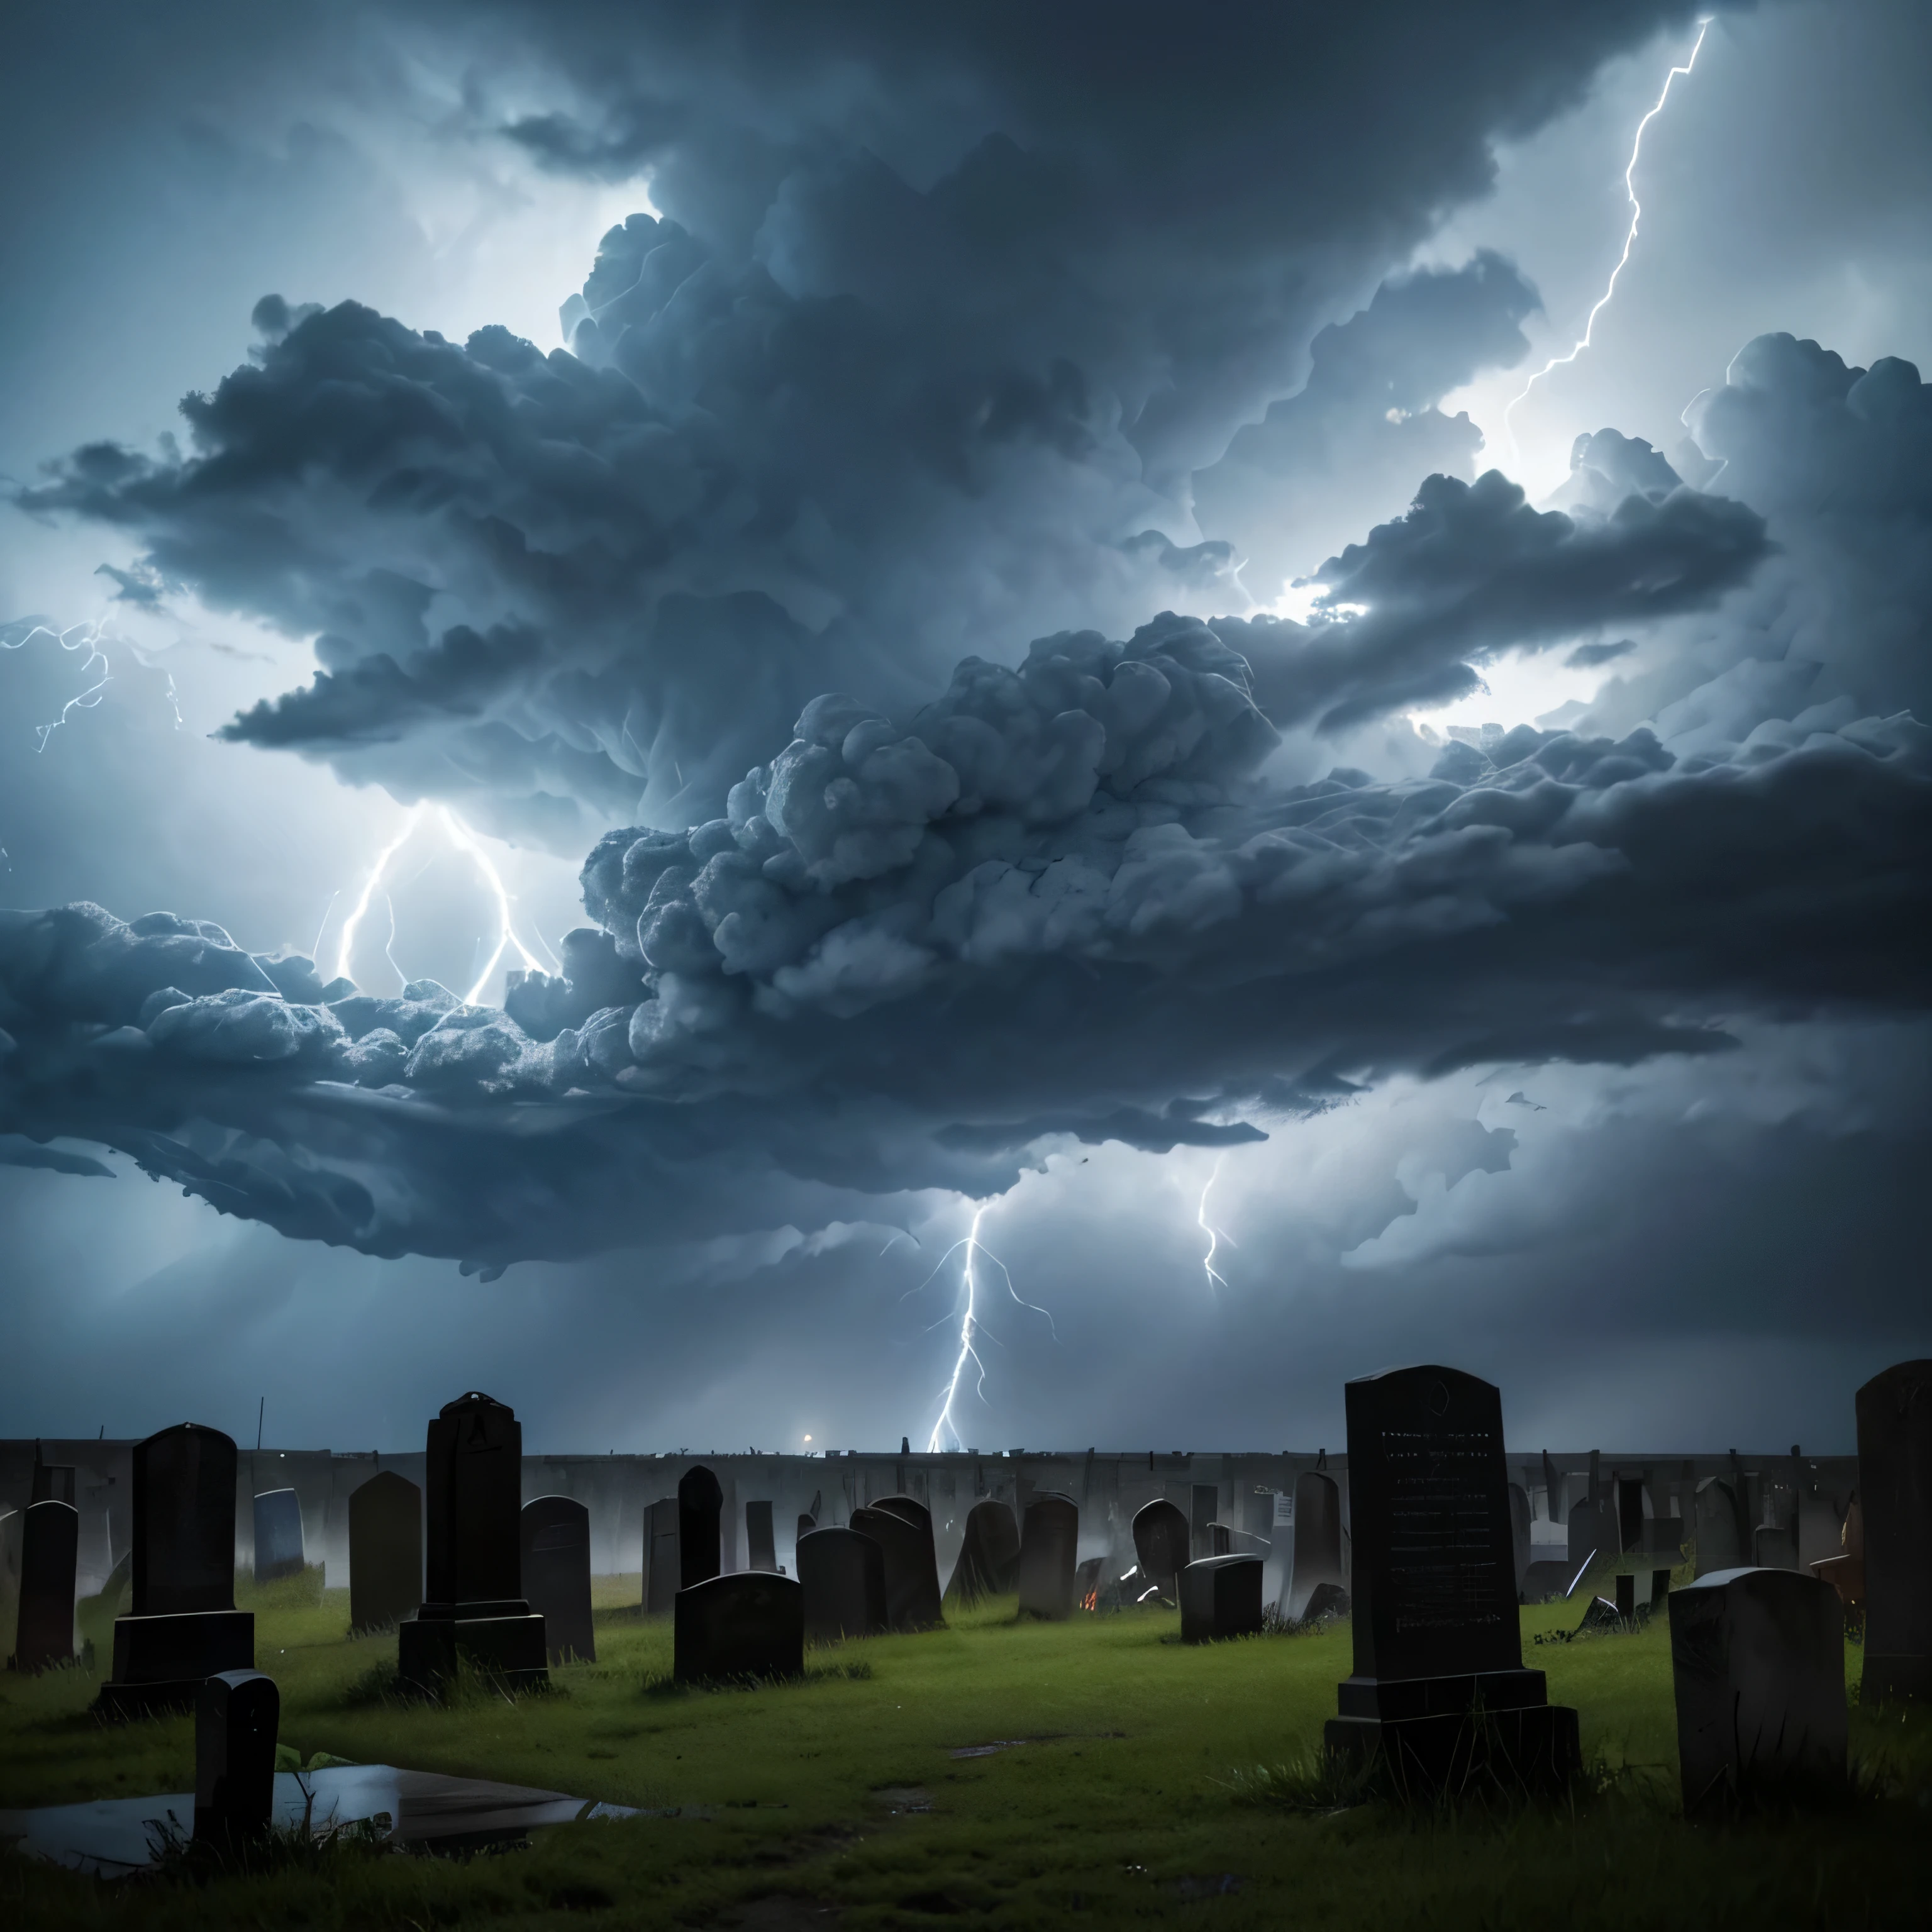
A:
[(475, 1606), (236, 1715), (182, 1625), (1520, 1518), (1757, 1658), (1774, 1547), (700, 1511), (12, 1523), (1629, 1492), (555, 1535), (1204, 1505), (1439, 1689), (1555, 1491), (663, 1568), (989, 1555), (903, 1529), (1595, 1536), (842, 1574), (385, 1551), (1719, 1531), (1049, 1553), (54, 1483), (1895, 1491), (1318, 1543), (1163, 1542), (49, 1541), (751, 1625), (761, 1542), (278, 1536), (1220, 1597)]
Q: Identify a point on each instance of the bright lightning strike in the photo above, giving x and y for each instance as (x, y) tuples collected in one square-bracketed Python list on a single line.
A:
[(1215, 1235), (76, 637), (1583, 341), (969, 1325)]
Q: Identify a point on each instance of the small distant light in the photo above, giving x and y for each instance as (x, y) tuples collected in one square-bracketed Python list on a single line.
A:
[(807, 1438)]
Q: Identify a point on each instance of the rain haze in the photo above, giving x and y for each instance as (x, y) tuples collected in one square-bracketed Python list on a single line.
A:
[(790, 727)]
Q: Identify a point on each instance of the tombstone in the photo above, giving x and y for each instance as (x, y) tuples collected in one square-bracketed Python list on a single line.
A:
[(554, 1533), (1318, 1543), (989, 1555), (1556, 1492), (1049, 1554), (278, 1536), (53, 1482), (182, 1625), (1629, 1493), (1895, 1492), (473, 1606), (761, 1541), (1220, 1597), (842, 1574), (1774, 1547), (1326, 1602), (1438, 1690), (10, 1536), (1719, 1527), (662, 1566), (50, 1542), (1204, 1505), (1520, 1518), (1163, 1543), (751, 1625), (700, 1509), (1596, 1535), (236, 1715), (903, 1529), (386, 1563), (1757, 1658)]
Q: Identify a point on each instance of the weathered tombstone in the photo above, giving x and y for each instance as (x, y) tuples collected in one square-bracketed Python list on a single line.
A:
[(700, 1509), (1757, 1657), (1720, 1530), (50, 1542), (182, 1626), (237, 1713), (10, 1536), (1163, 1543), (1438, 1689), (1204, 1505), (385, 1559), (662, 1564), (1596, 1534), (751, 1625), (1556, 1492), (278, 1536), (1520, 1518), (1318, 1543), (1775, 1547), (555, 1532), (760, 1542), (474, 1606), (912, 1571), (842, 1574), (1895, 1490), (989, 1555), (1049, 1553), (1220, 1597)]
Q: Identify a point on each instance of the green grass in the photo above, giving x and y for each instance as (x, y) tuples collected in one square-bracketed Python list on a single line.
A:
[(1160, 1784)]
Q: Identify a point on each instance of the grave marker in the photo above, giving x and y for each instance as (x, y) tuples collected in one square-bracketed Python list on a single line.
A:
[(236, 1715), (10, 1532), (1721, 1543), (760, 1542), (278, 1536), (663, 1566), (989, 1555), (1317, 1558), (1220, 1597), (700, 1509), (903, 1530), (842, 1574), (1163, 1543), (1049, 1553), (385, 1558), (1439, 1688), (751, 1625), (1894, 1411), (555, 1534), (50, 1542)]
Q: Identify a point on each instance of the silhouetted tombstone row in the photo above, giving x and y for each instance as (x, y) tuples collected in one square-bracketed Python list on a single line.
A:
[(554, 1532)]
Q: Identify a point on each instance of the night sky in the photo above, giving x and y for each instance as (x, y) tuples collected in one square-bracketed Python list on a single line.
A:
[(1023, 623)]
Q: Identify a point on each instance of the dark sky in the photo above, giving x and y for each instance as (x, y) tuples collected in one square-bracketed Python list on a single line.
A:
[(997, 533)]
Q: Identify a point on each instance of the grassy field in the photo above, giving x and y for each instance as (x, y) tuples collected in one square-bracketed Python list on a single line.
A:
[(1144, 1782)]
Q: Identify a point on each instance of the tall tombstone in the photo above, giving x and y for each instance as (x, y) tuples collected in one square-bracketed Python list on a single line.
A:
[(1220, 1597), (385, 1552), (728, 1628), (1204, 1505), (49, 1542), (1049, 1554), (1894, 1412), (237, 1714), (1721, 1543), (903, 1529), (1163, 1543), (279, 1550), (989, 1555), (1757, 1661), (1555, 1499), (555, 1534), (475, 1608), (1318, 1542), (700, 1509), (842, 1573), (761, 1548), (1438, 1689), (663, 1566), (182, 1626)]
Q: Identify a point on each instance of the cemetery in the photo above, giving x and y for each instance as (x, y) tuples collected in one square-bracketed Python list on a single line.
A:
[(1428, 1672)]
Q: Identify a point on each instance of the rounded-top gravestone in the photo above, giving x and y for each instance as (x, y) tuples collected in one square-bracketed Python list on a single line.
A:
[(49, 1544), (555, 1532), (184, 1505), (989, 1555), (912, 1571), (1163, 1541), (279, 1549), (1894, 1411), (385, 1559), (1049, 1552), (1317, 1562), (842, 1573), (700, 1509)]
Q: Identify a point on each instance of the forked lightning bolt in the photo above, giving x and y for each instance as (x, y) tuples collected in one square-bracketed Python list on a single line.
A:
[(76, 637), (1583, 341), (1215, 1235)]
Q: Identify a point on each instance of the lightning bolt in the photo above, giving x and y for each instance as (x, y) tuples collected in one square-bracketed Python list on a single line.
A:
[(1583, 341), (969, 1325), (84, 638), (465, 842), (1215, 1236)]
